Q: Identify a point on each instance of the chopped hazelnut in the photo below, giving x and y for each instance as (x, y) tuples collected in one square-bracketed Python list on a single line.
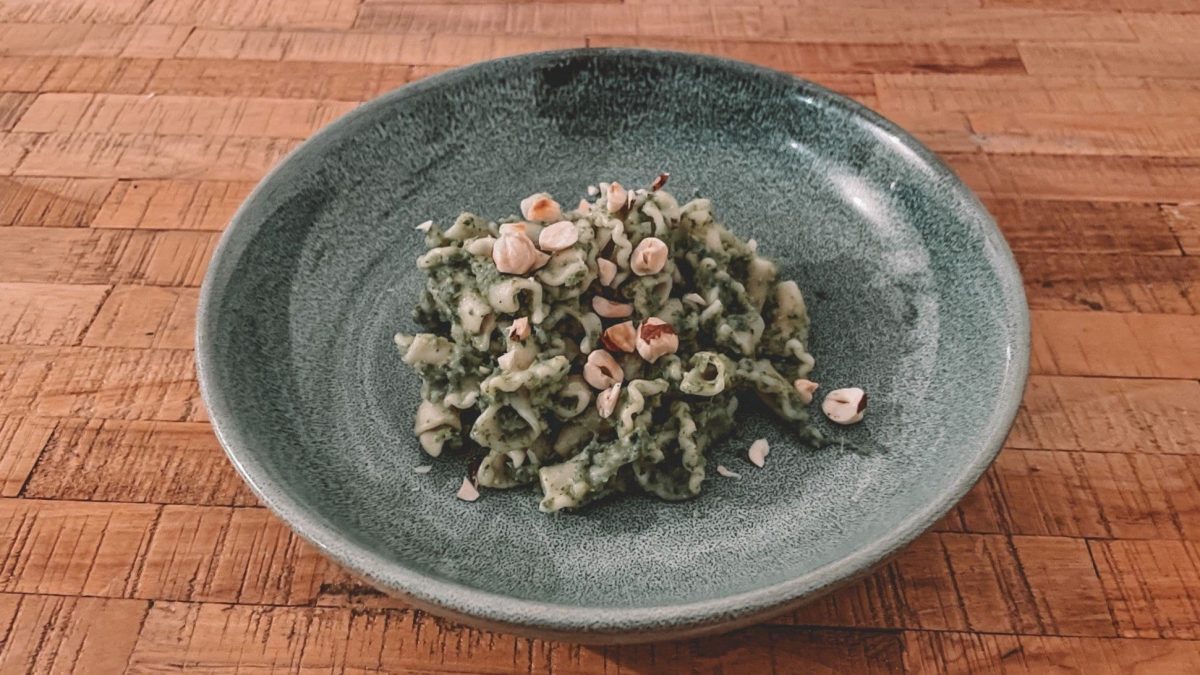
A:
[(620, 338), (806, 389), (758, 452), (602, 370), (606, 401), (656, 338), (468, 491), (649, 257), (611, 310), (845, 406), (559, 236), (608, 271), (514, 252), (540, 207), (519, 330)]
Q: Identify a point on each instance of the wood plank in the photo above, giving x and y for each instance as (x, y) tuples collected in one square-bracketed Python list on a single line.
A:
[(288, 45), (1109, 415), (827, 24), (1115, 345), (1113, 283), (809, 4), (262, 13), (51, 202), (143, 316), (119, 461), (220, 638), (1159, 28), (1079, 177), (1029, 94), (179, 204), (66, 548), (94, 39), (1058, 226), (1173, 6), (1086, 494), (131, 384), (91, 74), (991, 583), (13, 148), (12, 107), (103, 155), (944, 581), (71, 11), (24, 73), (180, 115), (47, 314), (47, 634), (276, 79), (1118, 59), (92, 256), (21, 443), (1184, 220), (927, 652), (843, 57), (1151, 586), (1085, 133)]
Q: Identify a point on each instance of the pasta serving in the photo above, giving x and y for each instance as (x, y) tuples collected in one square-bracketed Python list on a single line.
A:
[(601, 349)]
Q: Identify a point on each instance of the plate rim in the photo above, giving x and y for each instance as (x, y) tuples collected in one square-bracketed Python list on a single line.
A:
[(605, 624)]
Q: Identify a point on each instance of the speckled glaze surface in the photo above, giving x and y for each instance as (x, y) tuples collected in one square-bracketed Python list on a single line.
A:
[(913, 293)]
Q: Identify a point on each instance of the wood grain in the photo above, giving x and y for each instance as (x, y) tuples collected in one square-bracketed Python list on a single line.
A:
[(1109, 415), (959, 57), (178, 204), (52, 202), (1083, 227), (94, 256), (1113, 344), (122, 461), (1066, 95), (51, 634), (47, 314), (1114, 283), (131, 130)]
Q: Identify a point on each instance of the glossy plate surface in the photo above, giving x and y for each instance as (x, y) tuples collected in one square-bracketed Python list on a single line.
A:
[(913, 293)]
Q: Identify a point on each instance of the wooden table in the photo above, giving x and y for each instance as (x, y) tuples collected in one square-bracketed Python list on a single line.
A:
[(131, 129)]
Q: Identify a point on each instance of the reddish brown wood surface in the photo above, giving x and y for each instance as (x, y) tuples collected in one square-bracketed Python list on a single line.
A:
[(130, 130)]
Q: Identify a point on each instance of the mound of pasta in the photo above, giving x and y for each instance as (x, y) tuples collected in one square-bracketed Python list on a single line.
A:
[(601, 349)]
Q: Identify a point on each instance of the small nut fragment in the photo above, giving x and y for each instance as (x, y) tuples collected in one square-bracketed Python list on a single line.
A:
[(696, 299), (618, 197), (585, 207), (425, 226), (608, 271), (592, 190), (606, 401), (659, 181), (620, 338), (540, 207), (649, 257), (611, 310), (517, 358), (727, 473), (602, 370), (514, 252), (424, 468), (558, 236), (758, 452), (845, 406), (468, 492), (752, 244), (806, 389), (519, 330), (656, 338)]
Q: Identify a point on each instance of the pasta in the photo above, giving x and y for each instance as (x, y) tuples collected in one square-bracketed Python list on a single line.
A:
[(601, 349)]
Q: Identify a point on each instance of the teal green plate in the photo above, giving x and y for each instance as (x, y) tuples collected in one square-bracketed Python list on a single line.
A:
[(913, 293)]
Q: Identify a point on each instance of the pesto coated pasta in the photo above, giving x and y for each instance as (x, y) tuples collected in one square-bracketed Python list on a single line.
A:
[(601, 349)]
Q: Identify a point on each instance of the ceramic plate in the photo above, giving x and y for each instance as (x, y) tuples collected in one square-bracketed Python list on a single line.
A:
[(913, 293)]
